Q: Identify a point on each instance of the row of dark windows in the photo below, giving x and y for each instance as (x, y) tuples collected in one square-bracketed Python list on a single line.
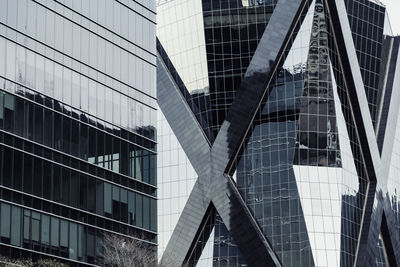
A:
[(233, 5), (71, 112), (32, 175), (37, 231), (66, 160), (67, 212), (51, 129)]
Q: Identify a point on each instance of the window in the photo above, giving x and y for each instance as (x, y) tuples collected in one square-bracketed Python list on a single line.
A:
[(17, 177), (146, 213), (139, 164), (153, 215), (131, 207), (7, 161), (28, 168), (64, 234), (139, 210), (57, 131), (9, 105), (27, 224), (75, 138), (47, 175), (84, 88), (65, 186), (83, 191), (153, 169), (56, 183), (19, 116), (38, 136), (107, 199), (37, 177), (66, 135), (45, 233), (48, 128), (92, 145), (73, 241), (35, 226), (5, 220), (55, 225)]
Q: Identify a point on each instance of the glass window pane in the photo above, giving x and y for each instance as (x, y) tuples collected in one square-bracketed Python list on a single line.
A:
[(107, 198), (131, 207), (153, 215), (64, 234), (73, 241), (27, 224), (38, 136), (35, 226), (28, 167), (55, 225), (5, 220), (139, 210), (45, 233), (146, 213), (16, 226)]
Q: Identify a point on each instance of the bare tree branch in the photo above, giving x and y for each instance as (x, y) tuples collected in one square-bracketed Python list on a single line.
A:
[(127, 252)]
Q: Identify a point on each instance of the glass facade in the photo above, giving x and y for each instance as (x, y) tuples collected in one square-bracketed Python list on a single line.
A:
[(305, 166), (77, 126)]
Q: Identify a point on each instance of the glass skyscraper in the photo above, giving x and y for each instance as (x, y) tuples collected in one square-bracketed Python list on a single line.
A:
[(278, 130), (77, 127)]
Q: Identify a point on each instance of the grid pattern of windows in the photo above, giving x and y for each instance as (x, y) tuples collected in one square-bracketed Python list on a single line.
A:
[(367, 20), (226, 252), (52, 181), (43, 232), (73, 88), (77, 126), (233, 30), (67, 134), (355, 178), (264, 171), (316, 142)]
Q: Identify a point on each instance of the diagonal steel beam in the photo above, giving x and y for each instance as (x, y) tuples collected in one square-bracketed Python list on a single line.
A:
[(269, 54), (183, 122), (287, 16), (375, 202)]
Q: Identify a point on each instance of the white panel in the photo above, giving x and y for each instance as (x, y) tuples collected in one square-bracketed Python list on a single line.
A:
[(319, 191), (180, 29), (176, 178)]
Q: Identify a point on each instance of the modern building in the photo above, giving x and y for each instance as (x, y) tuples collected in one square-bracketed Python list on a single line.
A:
[(279, 132), (77, 127)]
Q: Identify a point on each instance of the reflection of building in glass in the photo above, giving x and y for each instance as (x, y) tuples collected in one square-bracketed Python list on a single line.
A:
[(275, 128), (77, 127)]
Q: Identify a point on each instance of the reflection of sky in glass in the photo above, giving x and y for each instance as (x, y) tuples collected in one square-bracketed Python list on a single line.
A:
[(298, 54), (180, 30), (393, 8)]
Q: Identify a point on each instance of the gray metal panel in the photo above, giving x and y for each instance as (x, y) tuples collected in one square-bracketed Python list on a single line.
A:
[(183, 122)]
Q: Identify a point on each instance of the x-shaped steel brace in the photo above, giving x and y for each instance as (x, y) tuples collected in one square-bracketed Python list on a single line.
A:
[(214, 188), (377, 205)]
